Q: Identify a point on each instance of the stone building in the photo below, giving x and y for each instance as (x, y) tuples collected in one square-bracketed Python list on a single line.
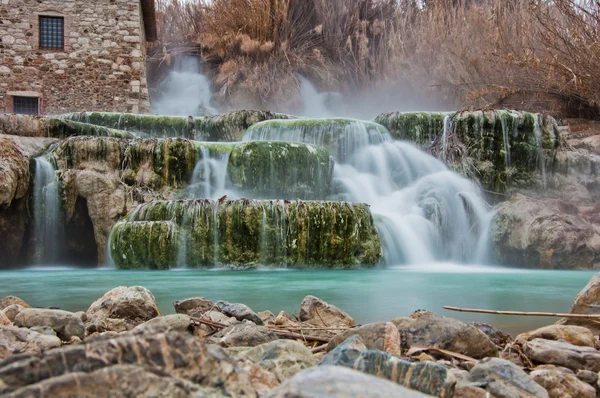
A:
[(61, 56)]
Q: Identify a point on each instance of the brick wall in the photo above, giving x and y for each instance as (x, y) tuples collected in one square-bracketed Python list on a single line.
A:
[(101, 68)]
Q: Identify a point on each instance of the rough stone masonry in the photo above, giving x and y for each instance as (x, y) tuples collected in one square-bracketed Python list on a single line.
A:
[(100, 67)]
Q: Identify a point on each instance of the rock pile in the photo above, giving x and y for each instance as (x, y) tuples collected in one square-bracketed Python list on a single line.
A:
[(123, 346)]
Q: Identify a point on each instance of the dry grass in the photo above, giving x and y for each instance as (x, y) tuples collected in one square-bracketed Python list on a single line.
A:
[(530, 54)]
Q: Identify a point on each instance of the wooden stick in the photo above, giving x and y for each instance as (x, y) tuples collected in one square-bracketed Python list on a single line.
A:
[(319, 348), (521, 313), (279, 333)]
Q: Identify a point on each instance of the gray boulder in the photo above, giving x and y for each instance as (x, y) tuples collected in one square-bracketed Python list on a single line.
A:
[(503, 379), (239, 311), (375, 336), (339, 382), (562, 353), (424, 328), (283, 358), (66, 324), (15, 340)]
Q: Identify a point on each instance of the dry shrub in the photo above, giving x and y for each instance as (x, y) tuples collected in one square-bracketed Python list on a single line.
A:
[(536, 54), (527, 54)]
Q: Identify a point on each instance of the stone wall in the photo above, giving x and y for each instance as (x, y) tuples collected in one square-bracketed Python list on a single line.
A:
[(102, 66)]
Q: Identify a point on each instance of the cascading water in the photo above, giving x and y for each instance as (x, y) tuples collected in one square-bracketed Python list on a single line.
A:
[(537, 129), (48, 229), (186, 91), (424, 211), (342, 137), (210, 175)]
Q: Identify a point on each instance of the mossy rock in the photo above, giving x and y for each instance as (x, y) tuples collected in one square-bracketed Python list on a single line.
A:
[(251, 233), (281, 170), (419, 127), (154, 242), (341, 137), (226, 127), (155, 163)]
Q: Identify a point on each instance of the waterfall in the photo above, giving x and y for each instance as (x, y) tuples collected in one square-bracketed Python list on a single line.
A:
[(210, 175), (537, 129), (185, 91), (424, 212), (342, 137), (48, 228)]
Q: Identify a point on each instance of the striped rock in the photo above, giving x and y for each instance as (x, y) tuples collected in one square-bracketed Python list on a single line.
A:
[(427, 377)]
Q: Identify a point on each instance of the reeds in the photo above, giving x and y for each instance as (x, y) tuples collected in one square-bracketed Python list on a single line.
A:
[(530, 54)]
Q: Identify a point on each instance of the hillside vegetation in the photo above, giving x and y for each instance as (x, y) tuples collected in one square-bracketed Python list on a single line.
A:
[(528, 54)]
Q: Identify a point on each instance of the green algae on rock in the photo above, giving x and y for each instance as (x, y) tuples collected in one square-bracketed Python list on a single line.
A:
[(281, 170), (250, 233), (341, 137), (419, 127), (226, 127)]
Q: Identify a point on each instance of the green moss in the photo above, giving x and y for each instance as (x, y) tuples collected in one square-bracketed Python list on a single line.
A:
[(282, 170), (419, 127), (144, 245), (250, 233)]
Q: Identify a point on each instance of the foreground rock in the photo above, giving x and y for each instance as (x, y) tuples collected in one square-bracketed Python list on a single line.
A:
[(174, 354), (586, 302), (424, 328), (66, 324), (15, 341), (4, 320), (10, 300), (576, 335), (382, 336), (319, 313), (194, 307), (561, 383), (239, 311), (283, 358), (116, 381), (121, 309), (339, 382), (562, 353), (427, 377), (244, 335), (502, 379), (173, 323)]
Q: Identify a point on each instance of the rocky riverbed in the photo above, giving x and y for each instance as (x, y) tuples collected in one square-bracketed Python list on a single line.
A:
[(122, 345)]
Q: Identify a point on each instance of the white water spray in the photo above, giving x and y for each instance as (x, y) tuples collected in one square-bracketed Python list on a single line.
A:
[(185, 91)]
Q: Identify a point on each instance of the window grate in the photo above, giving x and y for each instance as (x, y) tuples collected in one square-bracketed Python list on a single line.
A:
[(52, 33), (26, 105)]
